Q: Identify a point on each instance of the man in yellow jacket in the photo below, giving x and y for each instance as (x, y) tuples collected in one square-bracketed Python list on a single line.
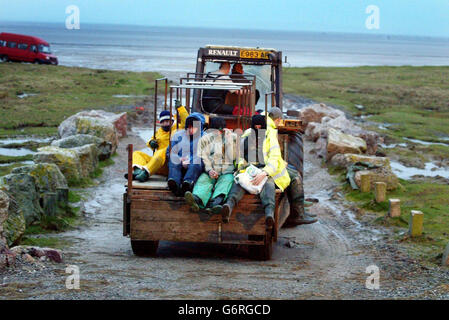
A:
[(275, 168), (145, 165)]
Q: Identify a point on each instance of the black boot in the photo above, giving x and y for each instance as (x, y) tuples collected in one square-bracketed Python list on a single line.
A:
[(173, 186), (216, 204), (298, 217), (269, 216), (186, 186)]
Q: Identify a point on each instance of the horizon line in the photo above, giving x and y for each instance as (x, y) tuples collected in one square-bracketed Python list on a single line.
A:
[(248, 29)]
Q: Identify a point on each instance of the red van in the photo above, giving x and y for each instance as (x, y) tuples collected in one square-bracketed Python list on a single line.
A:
[(17, 47)]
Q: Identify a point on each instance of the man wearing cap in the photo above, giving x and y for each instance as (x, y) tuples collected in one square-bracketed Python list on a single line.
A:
[(279, 173), (145, 165)]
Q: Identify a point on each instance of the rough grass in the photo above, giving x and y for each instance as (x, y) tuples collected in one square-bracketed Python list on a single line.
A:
[(414, 99), (61, 92), (430, 198)]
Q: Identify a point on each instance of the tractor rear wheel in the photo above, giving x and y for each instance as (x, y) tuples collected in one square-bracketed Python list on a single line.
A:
[(144, 248), (296, 152)]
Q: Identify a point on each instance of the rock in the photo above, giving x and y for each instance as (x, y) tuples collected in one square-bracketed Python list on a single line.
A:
[(74, 163), (104, 147), (383, 174), (22, 189), (345, 160), (314, 131), (106, 125), (47, 177), (315, 112), (88, 156), (67, 160), (27, 258), (338, 142), (40, 253), (7, 258)]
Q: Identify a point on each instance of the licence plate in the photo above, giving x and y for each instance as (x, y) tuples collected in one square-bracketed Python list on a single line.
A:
[(254, 54)]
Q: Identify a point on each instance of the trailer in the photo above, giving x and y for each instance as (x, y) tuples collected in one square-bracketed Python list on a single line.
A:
[(151, 213)]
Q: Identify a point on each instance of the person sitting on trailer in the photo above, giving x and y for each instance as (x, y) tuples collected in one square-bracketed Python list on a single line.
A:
[(279, 173), (213, 100), (218, 150), (184, 164), (145, 165)]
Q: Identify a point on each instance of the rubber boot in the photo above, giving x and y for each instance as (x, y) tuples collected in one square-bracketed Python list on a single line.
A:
[(136, 171), (298, 217), (173, 186), (192, 201), (186, 186), (142, 176), (216, 204), (269, 216)]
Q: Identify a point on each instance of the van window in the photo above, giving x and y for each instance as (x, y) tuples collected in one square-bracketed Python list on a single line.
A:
[(2, 43), (44, 49), (11, 45), (22, 46), (33, 48)]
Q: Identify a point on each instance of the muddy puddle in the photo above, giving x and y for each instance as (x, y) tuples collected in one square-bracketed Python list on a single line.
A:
[(430, 170)]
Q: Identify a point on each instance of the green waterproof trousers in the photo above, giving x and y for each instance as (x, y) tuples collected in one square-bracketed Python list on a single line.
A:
[(207, 188)]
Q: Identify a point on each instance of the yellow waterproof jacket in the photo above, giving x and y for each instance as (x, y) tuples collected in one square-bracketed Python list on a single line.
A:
[(163, 137), (275, 166)]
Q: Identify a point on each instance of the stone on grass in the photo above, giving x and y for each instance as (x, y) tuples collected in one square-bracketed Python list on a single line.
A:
[(22, 190), (78, 140), (338, 142), (348, 159), (105, 125), (67, 160), (54, 255), (379, 175), (12, 221), (316, 112)]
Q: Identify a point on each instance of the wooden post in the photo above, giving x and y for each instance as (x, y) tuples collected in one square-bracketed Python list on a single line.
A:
[(394, 209), (365, 182), (416, 223), (445, 261), (380, 190)]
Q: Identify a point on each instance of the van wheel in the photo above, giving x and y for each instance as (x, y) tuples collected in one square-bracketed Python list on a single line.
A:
[(4, 58), (144, 248), (37, 62)]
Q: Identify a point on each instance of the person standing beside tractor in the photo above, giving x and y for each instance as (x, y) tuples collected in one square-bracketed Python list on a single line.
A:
[(218, 150), (145, 165), (277, 171)]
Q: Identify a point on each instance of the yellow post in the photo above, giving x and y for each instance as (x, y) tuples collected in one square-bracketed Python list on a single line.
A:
[(380, 190), (365, 182), (394, 209), (416, 223)]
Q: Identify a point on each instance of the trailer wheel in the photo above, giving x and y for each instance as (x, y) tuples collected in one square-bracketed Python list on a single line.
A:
[(296, 152), (262, 252), (144, 248)]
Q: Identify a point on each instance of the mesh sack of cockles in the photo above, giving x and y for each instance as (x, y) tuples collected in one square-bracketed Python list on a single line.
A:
[(245, 179)]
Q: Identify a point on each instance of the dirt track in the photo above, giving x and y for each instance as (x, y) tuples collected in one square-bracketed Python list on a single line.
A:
[(325, 260)]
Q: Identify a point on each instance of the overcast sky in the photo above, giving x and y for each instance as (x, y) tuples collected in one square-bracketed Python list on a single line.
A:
[(406, 17)]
